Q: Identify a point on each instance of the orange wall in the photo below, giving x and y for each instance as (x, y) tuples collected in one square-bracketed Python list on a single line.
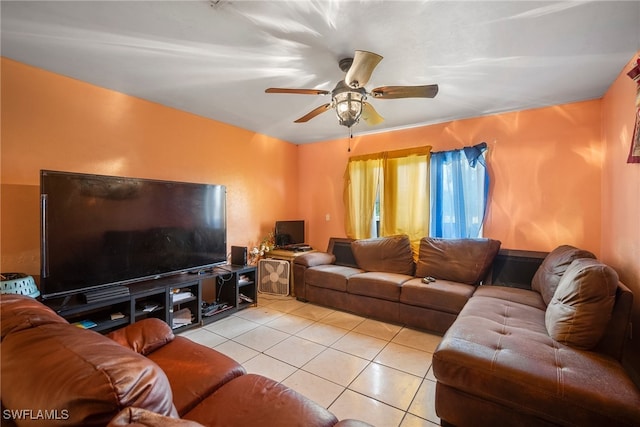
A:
[(544, 164), (621, 198), (53, 122), (559, 174)]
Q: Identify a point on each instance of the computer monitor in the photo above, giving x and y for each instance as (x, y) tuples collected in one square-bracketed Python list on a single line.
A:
[(289, 233)]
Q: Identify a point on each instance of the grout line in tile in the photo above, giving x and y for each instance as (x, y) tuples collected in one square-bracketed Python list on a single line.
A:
[(330, 346)]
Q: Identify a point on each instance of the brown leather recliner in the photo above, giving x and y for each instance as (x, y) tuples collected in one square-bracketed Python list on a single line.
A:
[(54, 373)]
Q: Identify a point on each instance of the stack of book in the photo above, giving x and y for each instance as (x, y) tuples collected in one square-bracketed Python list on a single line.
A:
[(176, 297), (86, 324), (181, 318)]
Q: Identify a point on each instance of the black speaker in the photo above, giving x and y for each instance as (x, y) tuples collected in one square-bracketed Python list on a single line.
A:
[(238, 255)]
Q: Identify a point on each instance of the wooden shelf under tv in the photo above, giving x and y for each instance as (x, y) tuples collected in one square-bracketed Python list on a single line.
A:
[(158, 293)]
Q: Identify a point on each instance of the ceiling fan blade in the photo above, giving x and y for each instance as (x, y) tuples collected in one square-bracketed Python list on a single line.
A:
[(390, 92), (360, 71), (298, 91), (310, 115), (370, 115)]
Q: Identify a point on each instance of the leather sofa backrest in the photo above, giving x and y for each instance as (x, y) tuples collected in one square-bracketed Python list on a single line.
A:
[(581, 307), (390, 254), (84, 376), (546, 280), (24, 313), (458, 260), (548, 275)]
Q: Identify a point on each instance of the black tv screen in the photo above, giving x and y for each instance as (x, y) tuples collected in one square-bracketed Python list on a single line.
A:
[(289, 232), (100, 230)]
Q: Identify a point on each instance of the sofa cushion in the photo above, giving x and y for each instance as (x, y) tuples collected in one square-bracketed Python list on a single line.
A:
[(581, 306), (391, 254), (330, 276), (144, 336), (64, 368), (441, 295), (194, 371), (458, 260), (553, 267), (517, 295), (377, 285)]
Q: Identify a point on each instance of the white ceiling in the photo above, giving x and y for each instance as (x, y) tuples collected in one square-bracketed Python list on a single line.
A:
[(216, 58)]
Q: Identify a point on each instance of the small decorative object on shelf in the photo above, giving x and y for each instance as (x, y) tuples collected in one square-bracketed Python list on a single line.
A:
[(266, 245)]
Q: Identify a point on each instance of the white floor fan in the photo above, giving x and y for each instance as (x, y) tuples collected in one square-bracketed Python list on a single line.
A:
[(273, 276)]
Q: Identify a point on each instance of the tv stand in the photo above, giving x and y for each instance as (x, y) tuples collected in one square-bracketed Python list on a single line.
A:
[(176, 300)]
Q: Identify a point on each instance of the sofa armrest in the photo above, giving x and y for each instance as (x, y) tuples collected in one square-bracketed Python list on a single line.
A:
[(144, 336), (311, 259), (300, 265)]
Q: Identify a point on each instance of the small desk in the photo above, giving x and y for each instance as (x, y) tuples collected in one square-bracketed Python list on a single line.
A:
[(288, 256)]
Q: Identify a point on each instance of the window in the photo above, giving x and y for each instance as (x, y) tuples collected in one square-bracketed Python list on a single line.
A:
[(362, 180), (418, 193), (459, 189), (404, 199), (388, 193)]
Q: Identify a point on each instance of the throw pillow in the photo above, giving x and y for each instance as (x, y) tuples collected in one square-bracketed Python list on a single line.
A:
[(546, 279), (581, 307), (391, 254), (458, 260)]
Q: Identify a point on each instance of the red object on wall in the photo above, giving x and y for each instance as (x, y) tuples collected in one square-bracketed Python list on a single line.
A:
[(634, 150)]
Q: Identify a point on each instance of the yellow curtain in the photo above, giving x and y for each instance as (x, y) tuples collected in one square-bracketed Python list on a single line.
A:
[(404, 200), (362, 180)]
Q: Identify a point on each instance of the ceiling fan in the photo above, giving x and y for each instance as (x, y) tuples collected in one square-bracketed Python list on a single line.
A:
[(349, 96)]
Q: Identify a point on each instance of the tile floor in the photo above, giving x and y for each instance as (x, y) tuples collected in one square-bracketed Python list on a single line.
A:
[(356, 367)]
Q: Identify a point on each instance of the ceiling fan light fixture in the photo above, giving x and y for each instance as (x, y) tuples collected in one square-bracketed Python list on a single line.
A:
[(348, 96), (348, 106)]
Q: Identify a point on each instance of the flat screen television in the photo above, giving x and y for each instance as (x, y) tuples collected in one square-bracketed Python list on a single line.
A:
[(289, 233), (99, 231)]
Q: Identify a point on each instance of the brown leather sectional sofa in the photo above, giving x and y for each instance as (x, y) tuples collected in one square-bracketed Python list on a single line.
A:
[(546, 356), (549, 355), (386, 283), (54, 373)]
